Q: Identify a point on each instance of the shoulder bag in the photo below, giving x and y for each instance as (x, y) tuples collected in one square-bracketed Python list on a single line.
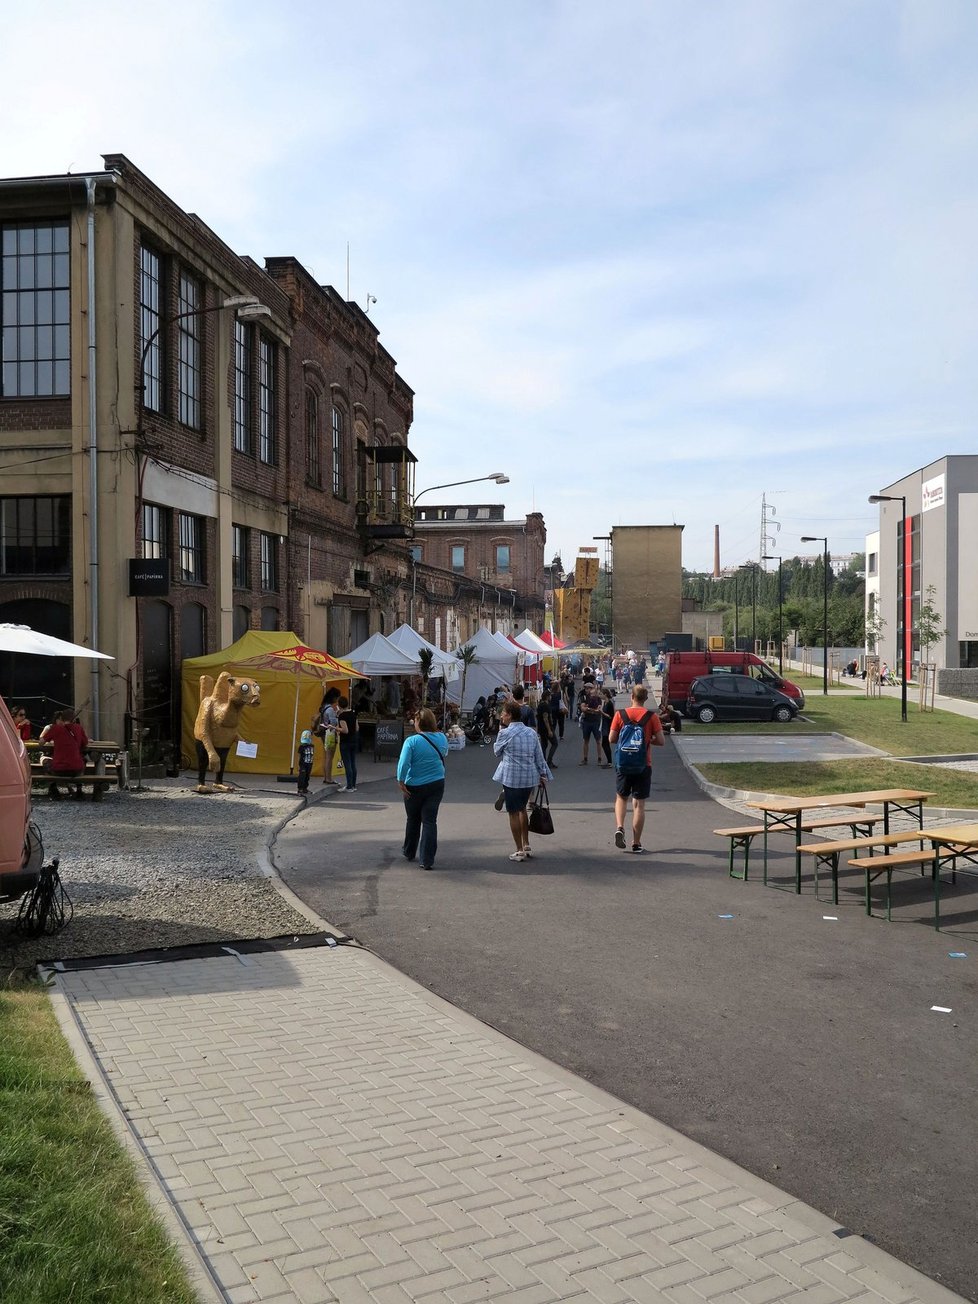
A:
[(539, 819)]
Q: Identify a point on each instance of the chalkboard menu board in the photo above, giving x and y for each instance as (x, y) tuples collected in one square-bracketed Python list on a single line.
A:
[(388, 739)]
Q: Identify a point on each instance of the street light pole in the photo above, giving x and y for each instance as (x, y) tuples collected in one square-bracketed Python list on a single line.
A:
[(902, 629), (499, 478), (820, 538), (779, 560)]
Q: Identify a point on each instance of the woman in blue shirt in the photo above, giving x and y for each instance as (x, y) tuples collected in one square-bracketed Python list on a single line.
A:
[(421, 776)]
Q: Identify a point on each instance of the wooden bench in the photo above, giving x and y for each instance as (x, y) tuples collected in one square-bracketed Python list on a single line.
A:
[(876, 865), (741, 838), (96, 782), (828, 853)]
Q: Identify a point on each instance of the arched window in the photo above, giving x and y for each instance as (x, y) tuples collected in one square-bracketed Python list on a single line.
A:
[(241, 622), (338, 452), (193, 630), (314, 455)]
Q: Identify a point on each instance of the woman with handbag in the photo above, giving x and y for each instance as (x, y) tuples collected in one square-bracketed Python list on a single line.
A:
[(521, 768), (421, 777)]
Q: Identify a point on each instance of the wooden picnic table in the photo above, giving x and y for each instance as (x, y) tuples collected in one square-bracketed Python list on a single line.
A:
[(785, 813), (957, 840)]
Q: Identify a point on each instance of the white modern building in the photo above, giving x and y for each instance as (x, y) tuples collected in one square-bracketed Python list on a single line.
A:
[(929, 531)]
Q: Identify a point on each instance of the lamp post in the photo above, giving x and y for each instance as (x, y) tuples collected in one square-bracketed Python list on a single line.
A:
[(752, 566), (780, 561), (736, 622), (499, 478), (820, 538), (902, 622)]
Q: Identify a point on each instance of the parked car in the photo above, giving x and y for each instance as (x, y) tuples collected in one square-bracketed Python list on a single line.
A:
[(682, 668), (737, 697)]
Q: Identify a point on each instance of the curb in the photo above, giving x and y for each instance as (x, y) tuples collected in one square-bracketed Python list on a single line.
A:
[(161, 1200)]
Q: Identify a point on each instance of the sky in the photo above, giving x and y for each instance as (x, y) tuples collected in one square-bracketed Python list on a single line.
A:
[(650, 260)]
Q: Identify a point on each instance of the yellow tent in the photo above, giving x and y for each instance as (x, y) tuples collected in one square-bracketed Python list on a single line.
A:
[(269, 726)]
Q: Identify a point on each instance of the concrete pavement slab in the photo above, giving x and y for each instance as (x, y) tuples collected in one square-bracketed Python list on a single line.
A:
[(330, 1131)]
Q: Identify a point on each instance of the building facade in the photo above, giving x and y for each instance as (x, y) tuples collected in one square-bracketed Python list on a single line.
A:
[(499, 561), (191, 445), (647, 584), (933, 544)]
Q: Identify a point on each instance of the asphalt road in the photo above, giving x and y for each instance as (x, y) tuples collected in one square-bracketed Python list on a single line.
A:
[(803, 1048)]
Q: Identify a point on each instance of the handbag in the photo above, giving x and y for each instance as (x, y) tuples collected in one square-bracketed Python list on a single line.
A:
[(539, 819)]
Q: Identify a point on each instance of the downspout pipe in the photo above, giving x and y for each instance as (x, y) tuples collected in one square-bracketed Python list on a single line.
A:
[(91, 183)]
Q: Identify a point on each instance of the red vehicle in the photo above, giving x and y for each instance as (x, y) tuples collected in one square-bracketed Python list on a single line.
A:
[(683, 667), (20, 855)]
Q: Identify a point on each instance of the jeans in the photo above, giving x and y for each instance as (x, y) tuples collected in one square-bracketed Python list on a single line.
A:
[(421, 806), (348, 755), (304, 772)]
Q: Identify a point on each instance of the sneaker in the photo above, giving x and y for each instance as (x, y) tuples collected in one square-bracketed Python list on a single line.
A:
[(527, 852), (500, 801), (348, 789), (518, 855), (638, 849), (620, 839), (427, 866)]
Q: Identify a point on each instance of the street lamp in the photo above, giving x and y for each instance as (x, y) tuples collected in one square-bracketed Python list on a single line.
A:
[(499, 478), (820, 538), (753, 567), (779, 560), (903, 625)]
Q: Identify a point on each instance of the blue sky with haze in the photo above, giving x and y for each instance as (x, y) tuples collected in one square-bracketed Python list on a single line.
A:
[(649, 259)]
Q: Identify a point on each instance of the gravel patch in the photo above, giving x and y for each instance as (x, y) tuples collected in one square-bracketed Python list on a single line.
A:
[(164, 867)]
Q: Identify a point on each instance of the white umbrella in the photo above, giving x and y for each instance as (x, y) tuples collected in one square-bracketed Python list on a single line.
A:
[(21, 638)]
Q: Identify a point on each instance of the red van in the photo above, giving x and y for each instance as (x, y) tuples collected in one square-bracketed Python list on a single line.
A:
[(683, 667)]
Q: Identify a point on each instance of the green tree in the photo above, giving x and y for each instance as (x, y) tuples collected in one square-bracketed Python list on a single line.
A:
[(929, 625)]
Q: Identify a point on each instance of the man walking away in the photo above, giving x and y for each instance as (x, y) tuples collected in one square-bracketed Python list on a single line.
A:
[(634, 731), (590, 714)]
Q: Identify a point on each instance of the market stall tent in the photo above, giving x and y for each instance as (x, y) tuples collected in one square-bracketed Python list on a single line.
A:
[(410, 642), (494, 665), (379, 656), (268, 726)]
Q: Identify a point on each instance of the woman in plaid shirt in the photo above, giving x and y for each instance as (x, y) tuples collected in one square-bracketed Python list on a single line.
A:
[(521, 767)]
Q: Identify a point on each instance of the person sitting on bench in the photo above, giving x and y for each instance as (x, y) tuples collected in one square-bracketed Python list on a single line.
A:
[(68, 743)]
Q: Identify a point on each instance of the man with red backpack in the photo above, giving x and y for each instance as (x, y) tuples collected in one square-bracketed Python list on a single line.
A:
[(634, 732)]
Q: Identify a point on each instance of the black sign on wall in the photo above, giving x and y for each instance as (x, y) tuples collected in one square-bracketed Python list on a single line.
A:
[(149, 578)]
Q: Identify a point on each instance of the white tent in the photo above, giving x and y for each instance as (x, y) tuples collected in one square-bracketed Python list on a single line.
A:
[(495, 665), (533, 643), (410, 642), (379, 656)]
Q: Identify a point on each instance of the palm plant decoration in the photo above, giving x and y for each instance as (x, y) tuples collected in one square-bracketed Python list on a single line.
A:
[(425, 658), (467, 656)]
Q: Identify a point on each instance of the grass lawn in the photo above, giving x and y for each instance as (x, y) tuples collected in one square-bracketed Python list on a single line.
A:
[(812, 778), (74, 1222)]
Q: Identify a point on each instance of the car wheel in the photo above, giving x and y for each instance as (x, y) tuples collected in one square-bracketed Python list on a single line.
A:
[(783, 714), (706, 714)]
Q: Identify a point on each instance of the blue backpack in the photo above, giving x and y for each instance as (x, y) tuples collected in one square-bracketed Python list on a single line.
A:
[(632, 750)]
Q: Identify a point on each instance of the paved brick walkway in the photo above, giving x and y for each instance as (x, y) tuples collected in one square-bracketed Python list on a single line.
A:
[(329, 1131)]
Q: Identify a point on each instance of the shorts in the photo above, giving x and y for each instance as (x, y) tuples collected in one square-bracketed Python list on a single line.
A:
[(634, 785), (516, 799), (589, 730)]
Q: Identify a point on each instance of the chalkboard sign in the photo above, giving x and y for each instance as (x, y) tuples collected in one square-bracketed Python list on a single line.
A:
[(388, 739)]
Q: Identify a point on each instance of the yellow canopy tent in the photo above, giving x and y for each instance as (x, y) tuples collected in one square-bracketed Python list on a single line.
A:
[(269, 726)]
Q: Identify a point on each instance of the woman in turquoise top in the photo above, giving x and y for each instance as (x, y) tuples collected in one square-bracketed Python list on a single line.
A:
[(421, 776)]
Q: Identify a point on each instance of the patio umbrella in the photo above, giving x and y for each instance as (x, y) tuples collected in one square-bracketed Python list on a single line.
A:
[(307, 662), (21, 638)]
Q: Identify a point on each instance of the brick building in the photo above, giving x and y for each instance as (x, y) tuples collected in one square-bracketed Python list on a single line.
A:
[(234, 435), (504, 558)]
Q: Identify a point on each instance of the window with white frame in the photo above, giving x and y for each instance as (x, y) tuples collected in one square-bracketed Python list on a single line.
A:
[(241, 419), (150, 332), (267, 450), (338, 461), (269, 562), (35, 279), (190, 532), (189, 302), (240, 549), (156, 531)]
